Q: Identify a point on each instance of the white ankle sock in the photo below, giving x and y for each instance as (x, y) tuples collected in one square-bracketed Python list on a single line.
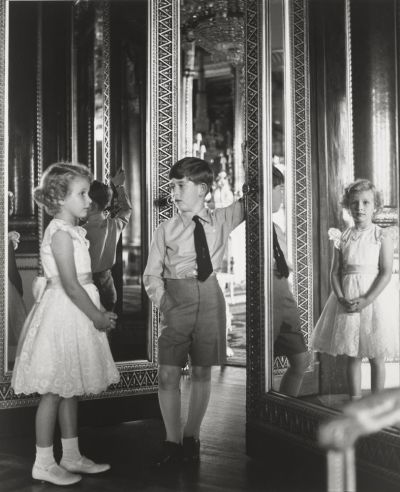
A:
[(70, 449), (44, 457)]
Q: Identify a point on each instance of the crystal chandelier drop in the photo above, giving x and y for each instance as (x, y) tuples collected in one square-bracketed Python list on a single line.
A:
[(216, 26)]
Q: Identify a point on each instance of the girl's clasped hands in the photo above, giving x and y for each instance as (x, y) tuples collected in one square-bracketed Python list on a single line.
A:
[(353, 305)]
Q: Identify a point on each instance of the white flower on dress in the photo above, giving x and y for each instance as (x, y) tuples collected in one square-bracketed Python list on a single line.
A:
[(335, 236)]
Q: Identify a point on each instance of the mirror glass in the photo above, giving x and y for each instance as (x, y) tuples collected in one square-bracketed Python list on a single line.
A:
[(351, 325), (77, 90), (212, 120)]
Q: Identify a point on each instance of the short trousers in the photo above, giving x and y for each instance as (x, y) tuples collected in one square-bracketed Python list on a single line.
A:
[(193, 323), (288, 338), (105, 285)]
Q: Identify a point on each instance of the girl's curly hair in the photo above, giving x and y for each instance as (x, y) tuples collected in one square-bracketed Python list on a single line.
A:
[(55, 182), (361, 185)]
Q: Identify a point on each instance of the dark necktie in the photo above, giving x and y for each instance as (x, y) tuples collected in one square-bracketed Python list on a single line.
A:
[(280, 261), (204, 265)]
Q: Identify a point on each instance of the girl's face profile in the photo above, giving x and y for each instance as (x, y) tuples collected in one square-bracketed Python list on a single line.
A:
[(362, 207), (76, 204)]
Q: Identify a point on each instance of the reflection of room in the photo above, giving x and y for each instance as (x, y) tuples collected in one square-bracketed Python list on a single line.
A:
[(213, 119), (66, 101)]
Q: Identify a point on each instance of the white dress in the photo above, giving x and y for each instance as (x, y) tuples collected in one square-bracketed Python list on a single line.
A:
[(374, 332), (60, 350)]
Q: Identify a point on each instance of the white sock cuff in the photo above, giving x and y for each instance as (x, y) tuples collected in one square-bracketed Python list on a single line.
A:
[(69, 443), (44, 452)]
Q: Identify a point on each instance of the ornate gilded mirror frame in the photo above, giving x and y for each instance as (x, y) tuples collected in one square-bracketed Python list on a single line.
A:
[(137, 377), (270, 413)]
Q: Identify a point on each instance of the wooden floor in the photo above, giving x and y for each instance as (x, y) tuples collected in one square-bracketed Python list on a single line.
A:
[(131, 447)]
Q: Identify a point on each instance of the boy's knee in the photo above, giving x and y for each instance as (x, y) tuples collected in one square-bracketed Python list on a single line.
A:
[(201, 373), (169, 377)]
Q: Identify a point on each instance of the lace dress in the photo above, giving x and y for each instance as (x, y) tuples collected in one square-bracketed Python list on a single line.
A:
[(60, 351), (374, 332)]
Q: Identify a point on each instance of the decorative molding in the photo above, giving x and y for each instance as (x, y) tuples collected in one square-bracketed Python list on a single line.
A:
[(302, 210), (39, 122), (3, 182), (106, 92), (255, 301)]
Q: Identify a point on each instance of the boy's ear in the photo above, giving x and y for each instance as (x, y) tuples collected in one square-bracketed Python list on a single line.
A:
[(204, 189)]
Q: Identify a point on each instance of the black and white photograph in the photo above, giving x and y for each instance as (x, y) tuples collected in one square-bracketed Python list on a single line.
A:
[(199, 206)]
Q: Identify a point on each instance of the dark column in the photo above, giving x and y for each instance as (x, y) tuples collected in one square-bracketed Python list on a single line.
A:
[(373, 35)]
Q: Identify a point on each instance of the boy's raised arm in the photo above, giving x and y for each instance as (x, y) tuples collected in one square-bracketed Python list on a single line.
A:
[(124, 207), (233, 215)]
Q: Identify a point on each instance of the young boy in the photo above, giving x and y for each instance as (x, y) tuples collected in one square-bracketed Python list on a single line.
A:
[(103, 233), (288, 339), (180, 279)]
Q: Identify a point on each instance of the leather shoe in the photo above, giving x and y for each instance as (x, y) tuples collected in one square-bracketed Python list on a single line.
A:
[(84, 465), (191, 449), (55, 474), (171, 455)]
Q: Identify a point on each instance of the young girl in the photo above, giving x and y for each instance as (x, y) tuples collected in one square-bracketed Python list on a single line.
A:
[(360, 318), (63, 351)]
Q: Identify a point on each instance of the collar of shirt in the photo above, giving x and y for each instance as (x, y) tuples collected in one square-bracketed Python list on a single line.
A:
[(187, 219)]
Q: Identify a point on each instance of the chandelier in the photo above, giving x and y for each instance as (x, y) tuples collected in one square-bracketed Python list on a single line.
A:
[(216, 26)]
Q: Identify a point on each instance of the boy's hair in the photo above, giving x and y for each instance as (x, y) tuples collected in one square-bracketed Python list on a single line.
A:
[(277, 177), (55, 182), (357, 186), (100, 194), (193, 168)]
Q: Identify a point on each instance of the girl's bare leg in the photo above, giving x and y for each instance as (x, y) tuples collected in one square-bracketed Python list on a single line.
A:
[(354, 376), (378, 373)]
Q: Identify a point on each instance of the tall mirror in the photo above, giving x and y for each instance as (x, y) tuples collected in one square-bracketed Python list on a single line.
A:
[(212, 122), (78, 87), (329, 351), (332, 67), (354, 110), (84, 101)]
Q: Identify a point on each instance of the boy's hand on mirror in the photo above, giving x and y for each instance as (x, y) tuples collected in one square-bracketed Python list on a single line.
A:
[(119, 178)]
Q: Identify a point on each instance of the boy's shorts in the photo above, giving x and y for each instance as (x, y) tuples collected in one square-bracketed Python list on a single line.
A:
[(288, 338), (193, 323)]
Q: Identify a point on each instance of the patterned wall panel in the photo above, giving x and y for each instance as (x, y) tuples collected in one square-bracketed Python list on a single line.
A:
[(254, 238), (4, 189)]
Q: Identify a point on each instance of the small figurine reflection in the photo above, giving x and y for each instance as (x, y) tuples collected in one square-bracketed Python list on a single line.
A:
[(361, 316), (15, 305), (288, 338)]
